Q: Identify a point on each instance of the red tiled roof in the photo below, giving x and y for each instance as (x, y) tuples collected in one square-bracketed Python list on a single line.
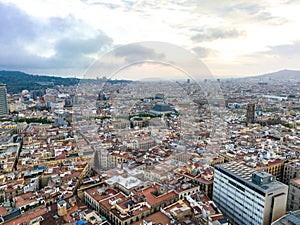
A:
[(154, 200), (156, 218)]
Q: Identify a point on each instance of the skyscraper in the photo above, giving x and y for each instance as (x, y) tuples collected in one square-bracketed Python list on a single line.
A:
[(3, 100), (250, 113), (246, 196)]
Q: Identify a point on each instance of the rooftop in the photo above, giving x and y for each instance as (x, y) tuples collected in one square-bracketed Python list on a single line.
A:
[(297, 181), (156, 218), (244, 174), (291, 219), (128, 182)]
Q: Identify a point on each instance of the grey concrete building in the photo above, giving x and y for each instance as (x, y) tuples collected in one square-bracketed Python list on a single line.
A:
[(247, 196)]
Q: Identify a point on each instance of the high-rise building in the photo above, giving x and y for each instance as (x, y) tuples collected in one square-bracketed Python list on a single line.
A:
[(250, 113), (247, 196), (3, 100)]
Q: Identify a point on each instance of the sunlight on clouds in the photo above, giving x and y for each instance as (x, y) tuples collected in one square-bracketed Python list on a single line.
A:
[(232, 30)]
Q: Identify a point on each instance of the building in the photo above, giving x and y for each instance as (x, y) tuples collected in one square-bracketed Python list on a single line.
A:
[(275, 168), (123, 209), (291, 170), (161, 109), (3, 100), (293, 218), (294, 195), (247, 196), (62, 208), (100, 160), (250, 113)]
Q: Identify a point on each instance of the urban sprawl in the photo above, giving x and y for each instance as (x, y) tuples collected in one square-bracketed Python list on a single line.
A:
[(147, 153)]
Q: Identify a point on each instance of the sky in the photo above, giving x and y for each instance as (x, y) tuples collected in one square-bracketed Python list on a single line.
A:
[(230, 37)]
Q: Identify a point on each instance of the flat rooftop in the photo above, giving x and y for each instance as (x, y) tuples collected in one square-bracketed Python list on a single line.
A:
[(243, 175)]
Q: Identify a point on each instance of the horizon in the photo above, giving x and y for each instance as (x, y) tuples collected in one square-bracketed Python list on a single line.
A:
[(153, 78)]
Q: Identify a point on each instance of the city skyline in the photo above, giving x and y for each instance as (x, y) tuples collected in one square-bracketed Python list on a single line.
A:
[(233, 39)]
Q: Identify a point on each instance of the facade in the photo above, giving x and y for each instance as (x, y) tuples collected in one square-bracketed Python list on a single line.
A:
[(247, 196), (100, 160), (250, 113), (291, 170), (294, 195), (3, 100), (275, 168)]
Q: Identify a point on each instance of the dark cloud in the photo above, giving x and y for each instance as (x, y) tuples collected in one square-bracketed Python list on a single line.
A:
[(136, 52), (76, 46), (14, 24), (71, 41), (211, 34)]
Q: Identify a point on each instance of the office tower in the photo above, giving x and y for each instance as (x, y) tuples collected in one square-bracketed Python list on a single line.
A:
[(250, 113), (3, 100), (246, 196)]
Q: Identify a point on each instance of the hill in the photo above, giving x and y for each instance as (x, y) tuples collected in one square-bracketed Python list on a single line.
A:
[(17, 81), (279, 75)]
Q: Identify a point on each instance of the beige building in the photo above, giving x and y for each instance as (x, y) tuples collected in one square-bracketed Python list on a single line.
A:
[(294, 195), (291, 170)]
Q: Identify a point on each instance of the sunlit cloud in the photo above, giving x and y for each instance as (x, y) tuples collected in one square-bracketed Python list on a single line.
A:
[(231, 37)]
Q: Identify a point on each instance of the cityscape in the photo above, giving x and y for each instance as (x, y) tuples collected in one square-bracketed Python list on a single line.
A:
[(151, 152), (138, 113)]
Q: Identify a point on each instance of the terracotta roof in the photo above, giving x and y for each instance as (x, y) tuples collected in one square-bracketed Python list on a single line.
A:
[(156, 218), (27, 217), (154, 200), (3, 211)]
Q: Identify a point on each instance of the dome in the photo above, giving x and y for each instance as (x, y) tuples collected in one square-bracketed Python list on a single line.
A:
[(25, 92)]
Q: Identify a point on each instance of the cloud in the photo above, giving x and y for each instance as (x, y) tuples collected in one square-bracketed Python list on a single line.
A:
[(68, 48), (136, 52), (211, 34), (15, 24), (110, 4), (55, 36), (56, 43), (240, 11), (288, 50), (204, 52)]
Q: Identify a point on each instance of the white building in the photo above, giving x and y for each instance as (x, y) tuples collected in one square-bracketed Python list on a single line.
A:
[(246, 196)]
